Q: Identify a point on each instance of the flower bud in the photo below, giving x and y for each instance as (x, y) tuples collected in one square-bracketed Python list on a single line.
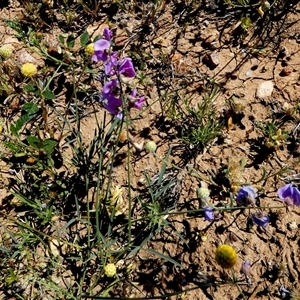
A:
[(5, 51), (150, 146), (266, 6), (203, 193)]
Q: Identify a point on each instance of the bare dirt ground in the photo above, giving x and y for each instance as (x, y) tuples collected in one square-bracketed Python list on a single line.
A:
[(182, 52)]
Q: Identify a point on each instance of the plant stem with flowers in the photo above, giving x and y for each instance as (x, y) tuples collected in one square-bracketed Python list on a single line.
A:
[(117, 95)]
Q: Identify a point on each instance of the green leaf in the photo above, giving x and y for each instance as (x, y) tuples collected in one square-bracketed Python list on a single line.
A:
[(13, 130), (29, 88), (49, 145), (30, 108), (48, 94), (13, 147), (12, 277), (164, 166), (84, 38), (70, 41), (61, 38), (19, 124), (34, 142)]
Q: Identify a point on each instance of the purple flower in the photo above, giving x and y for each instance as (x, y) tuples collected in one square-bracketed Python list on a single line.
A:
[(246, 196), (107, 33), (209, 214), (289, 194), (246, 268), (126, 68), (110, 89), (111, 64), (139, 103), (284, 291), (135, 101), (113, 103), (260, 219), (100, 48), (113, 106)]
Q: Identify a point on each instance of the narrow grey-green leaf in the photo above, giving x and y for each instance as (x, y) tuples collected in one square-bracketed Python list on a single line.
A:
[(171, 260)]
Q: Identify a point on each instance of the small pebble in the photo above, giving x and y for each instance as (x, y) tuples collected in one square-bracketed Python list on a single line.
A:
[(264, 89), (212, 60), (249, 73), (293, 225), (286, 71)]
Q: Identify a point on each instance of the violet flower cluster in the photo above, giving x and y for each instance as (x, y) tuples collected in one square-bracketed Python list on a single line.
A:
[(289, 194), (247, 197), (117, 70)]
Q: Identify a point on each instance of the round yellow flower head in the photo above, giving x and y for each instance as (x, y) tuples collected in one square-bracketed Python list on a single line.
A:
[(89, 49), (5, 51), (110, 270), (28, 70), (226, 256)]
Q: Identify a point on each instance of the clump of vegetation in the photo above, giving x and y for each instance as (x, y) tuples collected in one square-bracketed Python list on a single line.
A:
[(96, 201)]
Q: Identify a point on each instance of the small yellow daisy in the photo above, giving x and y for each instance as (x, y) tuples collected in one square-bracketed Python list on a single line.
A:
[(110, 270), (89, 49), (28, 70), (226, 256)]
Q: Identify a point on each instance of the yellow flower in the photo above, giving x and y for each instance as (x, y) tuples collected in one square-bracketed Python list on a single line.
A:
[(28, 70), (226, 256), (110, 270), (89, 49)]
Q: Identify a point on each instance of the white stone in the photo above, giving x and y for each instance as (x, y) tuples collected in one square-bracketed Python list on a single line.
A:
[(264, 89)]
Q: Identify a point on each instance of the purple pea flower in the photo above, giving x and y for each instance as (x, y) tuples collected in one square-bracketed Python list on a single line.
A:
[(135, 101), (246, 268), (289, 194), (110, 89), (260, 219), (113, 103), (209, 214), (139, 103), (100, 52), (283, 291), (113, 106), (246, 196), (126, 68), (111, 64), (107, 33)]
